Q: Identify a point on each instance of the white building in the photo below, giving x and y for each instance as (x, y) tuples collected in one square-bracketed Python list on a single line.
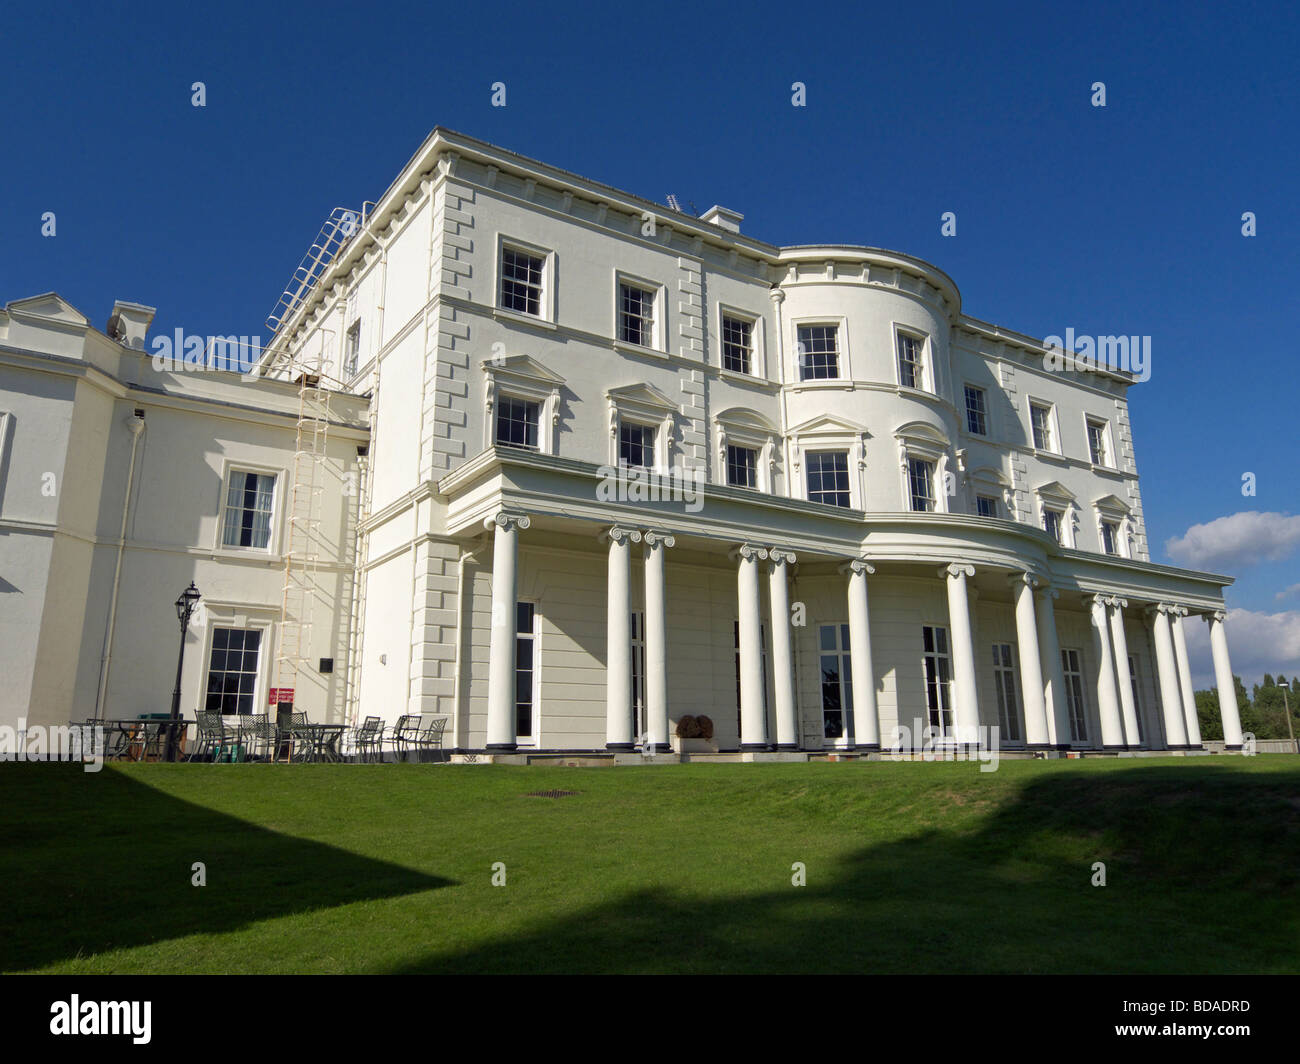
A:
[(845, 505)]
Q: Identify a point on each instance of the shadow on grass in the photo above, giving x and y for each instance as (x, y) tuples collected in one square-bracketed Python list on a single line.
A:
[(1202, 865), (99, 862)]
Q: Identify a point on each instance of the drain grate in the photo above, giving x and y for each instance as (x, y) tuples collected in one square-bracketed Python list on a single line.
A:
[(550, 794)]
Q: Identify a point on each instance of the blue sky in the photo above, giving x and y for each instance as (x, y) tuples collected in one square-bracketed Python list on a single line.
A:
[(1123, 219)]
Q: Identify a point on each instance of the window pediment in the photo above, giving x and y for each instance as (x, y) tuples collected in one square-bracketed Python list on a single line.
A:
[(1055, 491), (645, 397), (514, 370), (828, 425), (1112, 506)]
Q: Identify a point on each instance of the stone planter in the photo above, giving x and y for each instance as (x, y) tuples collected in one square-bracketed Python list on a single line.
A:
[(694, 746)]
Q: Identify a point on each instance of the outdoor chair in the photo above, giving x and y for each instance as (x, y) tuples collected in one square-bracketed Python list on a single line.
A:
[(212, 736), (290, 733), (369, 739), (429, 736), (405, 733)]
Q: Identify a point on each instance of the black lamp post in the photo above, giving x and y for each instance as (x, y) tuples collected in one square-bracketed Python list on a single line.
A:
[(184, 611)]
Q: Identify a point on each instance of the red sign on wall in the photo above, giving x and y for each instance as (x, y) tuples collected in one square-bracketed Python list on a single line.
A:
[(280, 694)]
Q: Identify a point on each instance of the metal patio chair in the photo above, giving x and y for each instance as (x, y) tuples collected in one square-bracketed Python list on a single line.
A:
[(429, 736), (405, 733), (369, 739), (291, 732), (212, 736)]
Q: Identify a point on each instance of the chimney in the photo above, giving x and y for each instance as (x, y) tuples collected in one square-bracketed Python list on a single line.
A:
[(129, 323), (723, 218)]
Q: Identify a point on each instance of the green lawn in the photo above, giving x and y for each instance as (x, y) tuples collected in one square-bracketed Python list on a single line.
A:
[(910, 867)]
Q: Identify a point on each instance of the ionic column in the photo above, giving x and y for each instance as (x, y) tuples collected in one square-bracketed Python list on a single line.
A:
[(501, 648), (1112, 727), (787, 718), (1037, 736), (1232, 737), (618, 651), (862, 726), (1054, 697), (1185, 679), (1171, 699), (656, 642), (1123, 675), (753, 717), (966, 714)]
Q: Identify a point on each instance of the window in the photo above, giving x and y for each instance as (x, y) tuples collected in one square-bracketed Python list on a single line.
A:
[(249, 498), (837, 680), (986, 506), (525, 668), (976, 412), (1074, 695), (1052, 523), (232, 671), (636, 315), (1040, 418), (639, 724), (521, 281), (819, 354), (1110, 537), (1137, 702), (938, 679), (920, 483), (636, 445), (737, 344), (762, 642), (517, 423), (828, 477), (911, 371), (1004, 681), (352, 349), (742, 467), (1098, 452)]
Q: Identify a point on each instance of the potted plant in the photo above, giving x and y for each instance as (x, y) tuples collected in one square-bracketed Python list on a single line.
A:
[(694, 735)]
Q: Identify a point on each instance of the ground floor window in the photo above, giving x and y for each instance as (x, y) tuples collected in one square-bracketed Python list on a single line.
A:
[(525, 667), (232, 671), (938, 679), (762, 642), (1137, 702), (639, 724), (837, 680), (1072, 664), (1004, 681)]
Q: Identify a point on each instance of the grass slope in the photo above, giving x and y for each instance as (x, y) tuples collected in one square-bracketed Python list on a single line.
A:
[(910, 867)]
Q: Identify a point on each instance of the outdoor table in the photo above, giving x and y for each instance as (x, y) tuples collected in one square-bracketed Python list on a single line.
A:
[(144, 738), (324, 740)]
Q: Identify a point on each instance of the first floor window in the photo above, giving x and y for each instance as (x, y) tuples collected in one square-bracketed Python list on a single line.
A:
[(837, 680), (636, 445), (1004, 682), (248, 510), (938, 679), (976, 412), (1137, 702), (232, 671), (819, 352), (828, 477), (1110, 537), (1052, 523), (1098, 452), (920, 484), (521, 281), (636, 316), (1040, 418), (909, 362), (737, 344), (986, 506), (517, 423), (1072, 665), (352, 349), (742, 467), (525, 668)]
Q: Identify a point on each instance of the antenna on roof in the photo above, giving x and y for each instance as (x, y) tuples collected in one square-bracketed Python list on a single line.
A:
[(672, 202)]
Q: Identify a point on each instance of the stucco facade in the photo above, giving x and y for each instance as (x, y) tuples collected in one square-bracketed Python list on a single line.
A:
[(844, 505)]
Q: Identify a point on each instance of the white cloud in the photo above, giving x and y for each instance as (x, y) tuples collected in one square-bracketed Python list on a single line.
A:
[(1257, 643), (1237, 540), (1294, 589)]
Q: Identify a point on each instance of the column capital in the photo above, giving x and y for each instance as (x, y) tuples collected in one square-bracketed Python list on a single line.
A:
[(958, 569), (780, 554), (1031, 580), (618, 534), (776, 295), (655, 538), (1049, 592), (1160, 607), (748, 551), (507, 519), (857, 565), (1216, 615), (1097, 598), (1115, 602)]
